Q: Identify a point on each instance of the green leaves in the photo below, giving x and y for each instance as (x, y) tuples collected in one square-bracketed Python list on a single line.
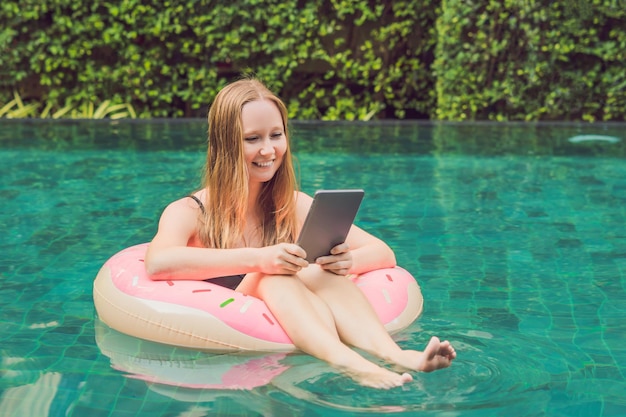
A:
[(534, 60), (329, 59), (16, 109)]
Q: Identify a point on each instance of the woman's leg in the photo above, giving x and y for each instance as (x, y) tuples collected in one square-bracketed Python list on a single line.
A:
[(310, 324), (358, 324)]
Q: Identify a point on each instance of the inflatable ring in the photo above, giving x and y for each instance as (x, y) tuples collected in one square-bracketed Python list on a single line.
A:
[(205, 316)]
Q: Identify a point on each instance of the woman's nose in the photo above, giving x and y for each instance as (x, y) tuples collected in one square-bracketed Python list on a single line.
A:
[(266, 147)]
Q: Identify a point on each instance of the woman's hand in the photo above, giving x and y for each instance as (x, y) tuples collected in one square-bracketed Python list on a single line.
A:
[(338, 262), (282, 259)]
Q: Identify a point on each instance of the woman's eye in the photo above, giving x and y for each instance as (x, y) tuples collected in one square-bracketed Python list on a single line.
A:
[(251, 138), (277, 135)]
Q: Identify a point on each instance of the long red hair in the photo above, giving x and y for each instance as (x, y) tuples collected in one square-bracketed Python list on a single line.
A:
[(226, 176)]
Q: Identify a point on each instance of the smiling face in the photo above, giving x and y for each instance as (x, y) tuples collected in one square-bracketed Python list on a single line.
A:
[(264, 139)]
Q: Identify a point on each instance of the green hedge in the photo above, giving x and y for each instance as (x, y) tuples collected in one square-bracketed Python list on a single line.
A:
[(329, 59), (531, 60)]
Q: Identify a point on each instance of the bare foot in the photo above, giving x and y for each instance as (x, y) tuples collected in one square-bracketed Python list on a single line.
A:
[(368, 374), (381, 378), (436, 355)]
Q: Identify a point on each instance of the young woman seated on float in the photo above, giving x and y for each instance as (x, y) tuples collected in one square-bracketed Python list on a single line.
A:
[(239, 231)]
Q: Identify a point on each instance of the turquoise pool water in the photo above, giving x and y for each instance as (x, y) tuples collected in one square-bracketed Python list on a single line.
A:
[(516, 233)]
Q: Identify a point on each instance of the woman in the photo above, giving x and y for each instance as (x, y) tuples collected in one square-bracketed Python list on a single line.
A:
[(239, 231)]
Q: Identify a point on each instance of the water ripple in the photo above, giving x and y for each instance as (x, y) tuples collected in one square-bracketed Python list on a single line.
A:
[(478, 383)]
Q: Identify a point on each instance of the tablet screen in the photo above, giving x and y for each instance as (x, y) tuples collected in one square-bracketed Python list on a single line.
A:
[(329, 220)]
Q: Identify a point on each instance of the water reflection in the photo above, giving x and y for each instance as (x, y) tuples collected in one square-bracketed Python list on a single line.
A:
[(166, 365)]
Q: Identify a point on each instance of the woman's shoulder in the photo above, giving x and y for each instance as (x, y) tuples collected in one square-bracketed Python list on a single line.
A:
[(189, 202), (179, 221), (303, 203), (184, 207), (302, 198)]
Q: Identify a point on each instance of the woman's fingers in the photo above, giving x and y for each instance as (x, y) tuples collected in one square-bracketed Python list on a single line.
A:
[(284, 258), (339, 249), (339, 262)]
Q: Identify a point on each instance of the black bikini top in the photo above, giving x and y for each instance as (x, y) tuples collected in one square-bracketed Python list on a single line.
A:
[(197, 200)]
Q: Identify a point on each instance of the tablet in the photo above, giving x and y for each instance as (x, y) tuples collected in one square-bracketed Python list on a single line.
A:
[(329, 220)]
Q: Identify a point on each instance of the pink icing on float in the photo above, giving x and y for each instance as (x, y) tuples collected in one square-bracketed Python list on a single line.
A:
[(201, 315)]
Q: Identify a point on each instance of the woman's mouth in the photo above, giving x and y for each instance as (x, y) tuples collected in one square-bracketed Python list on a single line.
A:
[(264, 164)]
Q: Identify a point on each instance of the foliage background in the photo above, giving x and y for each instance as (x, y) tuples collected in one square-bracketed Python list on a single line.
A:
[(329, 59)]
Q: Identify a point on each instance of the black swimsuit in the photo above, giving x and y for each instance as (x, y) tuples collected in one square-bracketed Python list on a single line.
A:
[(230, 281)]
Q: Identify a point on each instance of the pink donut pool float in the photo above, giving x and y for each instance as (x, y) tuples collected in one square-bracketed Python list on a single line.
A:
[(205, 316)]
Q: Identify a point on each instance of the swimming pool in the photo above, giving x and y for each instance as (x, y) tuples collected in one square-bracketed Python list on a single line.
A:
[(516, 234)]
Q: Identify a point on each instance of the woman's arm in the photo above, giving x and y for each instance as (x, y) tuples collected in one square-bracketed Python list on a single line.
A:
[(170, 257), (368, 252), (174, 252)]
